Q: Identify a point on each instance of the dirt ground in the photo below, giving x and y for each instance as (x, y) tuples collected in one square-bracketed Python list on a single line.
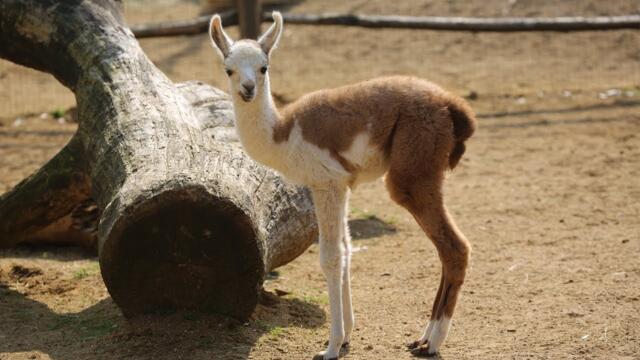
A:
[(548, 194)]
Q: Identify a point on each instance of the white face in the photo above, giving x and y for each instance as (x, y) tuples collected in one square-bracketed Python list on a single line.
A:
[(246, 61), (246, 66)]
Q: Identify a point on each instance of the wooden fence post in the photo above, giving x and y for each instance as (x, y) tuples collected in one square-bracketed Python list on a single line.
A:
[(250, 17)]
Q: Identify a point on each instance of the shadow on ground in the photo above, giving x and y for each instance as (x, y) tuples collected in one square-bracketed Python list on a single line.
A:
[(369, 227), (101, 332)]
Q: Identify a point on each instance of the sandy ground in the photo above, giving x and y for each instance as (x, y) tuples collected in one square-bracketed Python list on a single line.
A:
[(548, 194)]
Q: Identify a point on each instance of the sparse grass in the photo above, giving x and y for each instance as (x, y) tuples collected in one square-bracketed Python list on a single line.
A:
[(96, 328), (80, 274), (58, 113), (391, 221), (84, 329), (276, 332), (87, 271), (272, 330), (357, 213), (62, 322), (24, 315), (320, 299)]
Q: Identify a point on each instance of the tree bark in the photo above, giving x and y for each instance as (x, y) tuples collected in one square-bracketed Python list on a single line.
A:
[(187, 220)]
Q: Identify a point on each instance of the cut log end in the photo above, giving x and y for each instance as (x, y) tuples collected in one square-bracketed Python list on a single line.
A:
[(183, 249)]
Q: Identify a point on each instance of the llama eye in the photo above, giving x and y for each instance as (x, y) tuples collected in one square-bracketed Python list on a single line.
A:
[(263, 69), (229, 72)]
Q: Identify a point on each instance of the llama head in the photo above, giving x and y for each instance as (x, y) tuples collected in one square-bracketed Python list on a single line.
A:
[(246, 61)]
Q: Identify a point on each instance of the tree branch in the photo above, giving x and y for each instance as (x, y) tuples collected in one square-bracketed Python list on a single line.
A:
[(45, 197)]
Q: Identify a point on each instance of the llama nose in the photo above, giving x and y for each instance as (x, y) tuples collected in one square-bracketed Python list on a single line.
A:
[(249, 87)]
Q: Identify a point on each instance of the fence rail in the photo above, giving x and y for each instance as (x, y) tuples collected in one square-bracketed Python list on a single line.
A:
[(473, 24)]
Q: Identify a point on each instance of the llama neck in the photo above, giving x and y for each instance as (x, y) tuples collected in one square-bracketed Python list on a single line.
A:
[(255, 122)]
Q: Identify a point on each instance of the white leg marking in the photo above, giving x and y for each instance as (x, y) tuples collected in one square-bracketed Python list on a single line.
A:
[(427, 332), (438, 333), (347, 311), (330, 204)]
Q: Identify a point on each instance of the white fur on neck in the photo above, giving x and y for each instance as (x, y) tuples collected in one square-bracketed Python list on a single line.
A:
[(255, 123)]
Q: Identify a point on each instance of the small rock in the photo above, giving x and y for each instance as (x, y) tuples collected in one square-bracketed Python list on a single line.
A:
[(356, 249), (473, 95), (619, 276), (613, 92)]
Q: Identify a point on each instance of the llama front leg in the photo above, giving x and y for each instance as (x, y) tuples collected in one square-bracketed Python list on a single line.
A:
[(329, 203), (347, 310)]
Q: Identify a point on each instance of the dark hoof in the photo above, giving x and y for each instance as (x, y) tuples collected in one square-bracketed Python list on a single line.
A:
[(326, 343), (423, 351), (344, 349), (321, 357), (413, 345)]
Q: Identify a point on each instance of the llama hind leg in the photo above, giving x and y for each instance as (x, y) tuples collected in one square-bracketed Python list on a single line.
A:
[(329, 203), (427, 330), (453, 250), (423, 198)]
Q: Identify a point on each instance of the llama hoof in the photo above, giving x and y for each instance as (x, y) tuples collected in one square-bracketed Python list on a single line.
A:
[(345, 345), (423, 351), (320, 356), (414, 344)]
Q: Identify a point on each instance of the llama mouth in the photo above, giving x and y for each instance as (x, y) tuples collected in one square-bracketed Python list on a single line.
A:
[(246, 97)]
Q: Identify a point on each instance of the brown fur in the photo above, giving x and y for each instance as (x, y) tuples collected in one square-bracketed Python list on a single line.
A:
[(464, 125), (331, 119)]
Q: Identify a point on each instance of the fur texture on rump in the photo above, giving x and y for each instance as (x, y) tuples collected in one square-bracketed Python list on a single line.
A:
[(464, 125)]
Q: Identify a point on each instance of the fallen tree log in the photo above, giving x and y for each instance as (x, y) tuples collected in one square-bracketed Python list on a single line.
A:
[(474, 24), (187, 220)]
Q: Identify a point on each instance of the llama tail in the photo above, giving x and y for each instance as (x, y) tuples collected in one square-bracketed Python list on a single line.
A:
[(464, 125)]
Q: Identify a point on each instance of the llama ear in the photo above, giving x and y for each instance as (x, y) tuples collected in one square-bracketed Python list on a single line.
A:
[(269, 40), (219, 38)]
